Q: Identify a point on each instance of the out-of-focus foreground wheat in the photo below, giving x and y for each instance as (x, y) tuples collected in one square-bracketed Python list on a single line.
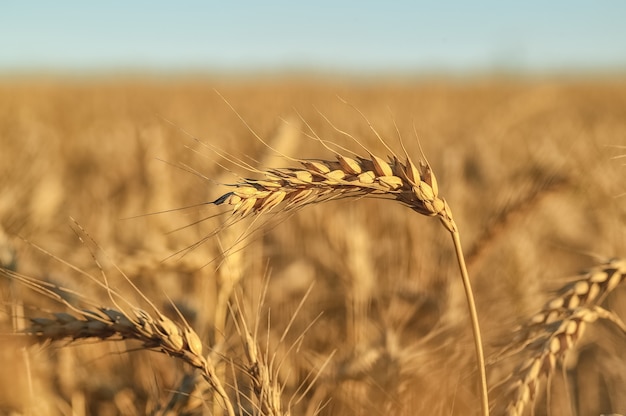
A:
[(354, 306)]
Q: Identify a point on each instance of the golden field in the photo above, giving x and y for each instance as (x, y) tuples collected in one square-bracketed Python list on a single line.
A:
[(357, 303)]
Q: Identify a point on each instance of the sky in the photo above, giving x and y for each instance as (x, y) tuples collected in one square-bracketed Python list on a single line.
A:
[(361, 37)]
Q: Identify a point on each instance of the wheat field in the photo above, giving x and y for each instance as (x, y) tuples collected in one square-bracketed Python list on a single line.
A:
[(126, 292)]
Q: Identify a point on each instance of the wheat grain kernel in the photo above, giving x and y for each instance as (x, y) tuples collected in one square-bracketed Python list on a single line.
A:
[(245, 206), (193, 341), (538, 318), (245, 191), (571, 327), (299, 196), (367, 177), (269, 184), (556, 303), (581, 287), (599, 277), (381, 167), (555, 345), (573, 302), (594, 291), (426, 192), (304, 176), (391, 182), (615, 279), (171, 333), (273, 200), (349, 165), (336, 174)]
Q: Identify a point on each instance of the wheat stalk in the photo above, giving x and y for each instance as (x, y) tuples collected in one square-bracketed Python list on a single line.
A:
[(317, 180)]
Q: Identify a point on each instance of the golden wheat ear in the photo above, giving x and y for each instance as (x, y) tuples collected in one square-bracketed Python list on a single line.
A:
[(321, 180), (85, 319), (554, 331), (557, 339)]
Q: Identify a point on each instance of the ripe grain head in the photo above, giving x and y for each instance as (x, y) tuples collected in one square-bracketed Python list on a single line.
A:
[(549, 335)]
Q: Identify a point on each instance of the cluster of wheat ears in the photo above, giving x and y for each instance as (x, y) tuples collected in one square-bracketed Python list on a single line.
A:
[(546, 338)]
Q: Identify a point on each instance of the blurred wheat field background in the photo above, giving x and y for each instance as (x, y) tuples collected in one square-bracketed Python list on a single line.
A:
[(363, 310)]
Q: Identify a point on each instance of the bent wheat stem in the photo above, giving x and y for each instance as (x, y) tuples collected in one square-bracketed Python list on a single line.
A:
[(413, 185), (478, 345)]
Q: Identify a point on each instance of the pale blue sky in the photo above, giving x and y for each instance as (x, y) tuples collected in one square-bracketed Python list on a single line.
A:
[(347, 36)]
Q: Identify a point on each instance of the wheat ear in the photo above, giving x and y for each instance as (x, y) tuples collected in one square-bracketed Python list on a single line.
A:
[(554, 331), (559, 338), (320, 180), (590, 289), (156, 333)]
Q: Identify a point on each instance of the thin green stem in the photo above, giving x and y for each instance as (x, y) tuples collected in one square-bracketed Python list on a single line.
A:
[(480, 357)]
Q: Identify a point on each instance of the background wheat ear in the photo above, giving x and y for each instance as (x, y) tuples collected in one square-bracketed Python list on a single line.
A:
[(85, 319), (411, 184), (549, 335)]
